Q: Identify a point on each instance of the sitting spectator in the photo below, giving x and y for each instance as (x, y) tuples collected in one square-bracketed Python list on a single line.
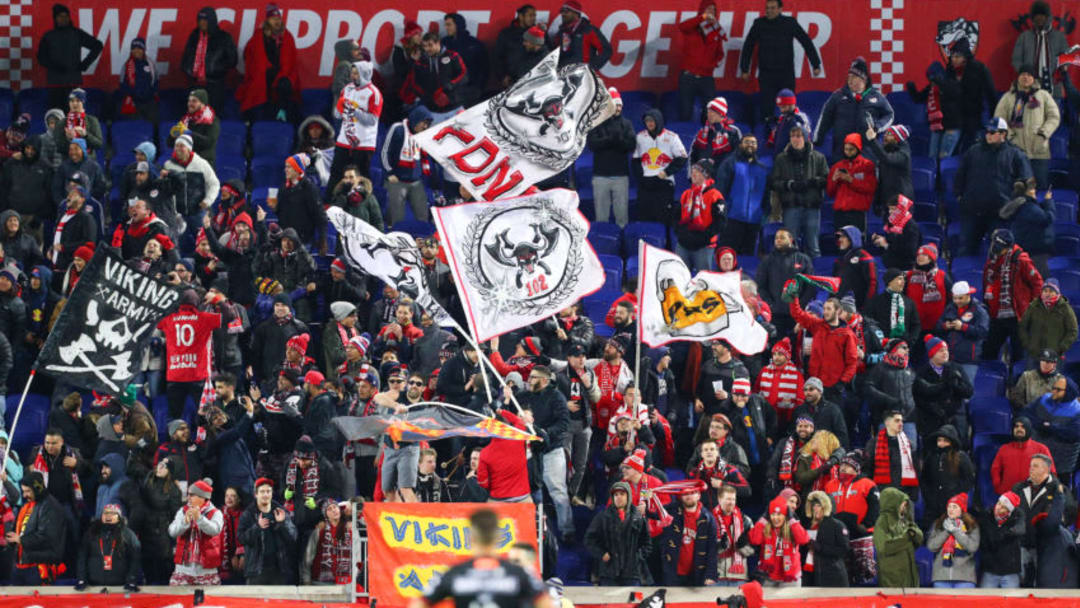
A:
[(718, 137), (954, 539), (579, 39), (269, 538), (850, 109), (928, 286), (828, 546), (354, 194), (78, 124), (327, 559), (1055, 420), (1034, 383), (702, 212), (891, 457), (1032, 222), (611, 143), (742, 180), (359, 107), (1045, 553), (893, 155), (403, 164), (852, 182), (780, 535), (1010, 284), (122, 563), (855, 267), (658, 156), (618, 538), (39, 532), (798, 180), (197, 529), (896, 537), (964, 325), (209, 55), (902, 235), (1012, 460), (1001, 530), (1032, 116), (77, 162), (1049, 322), (688, 542), (946, 471)]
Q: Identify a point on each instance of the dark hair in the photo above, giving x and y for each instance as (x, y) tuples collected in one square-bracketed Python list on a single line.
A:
[(351, 167), (890, 413), (543, 370), (779, 3), (525, 8), (430, 37), (630, 285), (55, 432), (485, 525), (225, 377), (627, 305)]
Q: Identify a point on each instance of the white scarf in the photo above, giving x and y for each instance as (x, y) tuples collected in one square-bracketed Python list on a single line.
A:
[(907, 463)]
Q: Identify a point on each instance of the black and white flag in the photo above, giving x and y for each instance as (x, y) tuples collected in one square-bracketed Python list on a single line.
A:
[(99, 338)]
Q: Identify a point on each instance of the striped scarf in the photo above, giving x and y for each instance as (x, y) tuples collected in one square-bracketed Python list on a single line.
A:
[(897, 327), (41, 465), (310, 485), (76, 120), (198, 67), (787, 461), (335, 554), (882, 472), (933, 109)]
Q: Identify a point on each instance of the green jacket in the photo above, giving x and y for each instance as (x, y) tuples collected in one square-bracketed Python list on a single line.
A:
[(1053, 328), (366, 209), (895, 540), (94, 139)]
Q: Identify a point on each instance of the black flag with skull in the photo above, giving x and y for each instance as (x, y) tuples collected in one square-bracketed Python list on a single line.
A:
[(100, 336)]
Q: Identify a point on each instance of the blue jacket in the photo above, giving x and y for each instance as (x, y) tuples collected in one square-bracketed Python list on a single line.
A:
[(233, 456), (986, 175), (965, 345), (705, 550), (744, 187), (1032, 223), (843, 113), (1057, 424), (146, 82), (782, 130)]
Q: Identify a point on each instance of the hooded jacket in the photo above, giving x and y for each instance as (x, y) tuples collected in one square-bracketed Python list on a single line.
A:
[(857, 195), (894, 173), (1026, 281), (845, 113), (1057, 424), (437, 81), (400, 155), (895, 539), (985, 178), (1042, 328), (702, 51), (293, 270), (22, 181), (833, 354), (221, 55), (798, 177), (343, 67), (1040, 118), (583, 42), (938, 481), (856, 269), (1032, 223), (1011, 462), (472, 52), (44, 531), (359, 106), (625, 537), (60, 51), (20, 247), (829, 547), (658, 150)]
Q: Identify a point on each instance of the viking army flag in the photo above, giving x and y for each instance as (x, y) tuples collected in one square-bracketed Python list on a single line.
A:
[(709, 305), (520, 260), (392, 257), (531, 131), (99, 339)]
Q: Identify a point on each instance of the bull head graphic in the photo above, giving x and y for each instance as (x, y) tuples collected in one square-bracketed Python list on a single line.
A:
[(525, 256)]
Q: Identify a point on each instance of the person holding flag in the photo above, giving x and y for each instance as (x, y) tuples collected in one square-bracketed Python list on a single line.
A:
[(187, 348), (833, 354)]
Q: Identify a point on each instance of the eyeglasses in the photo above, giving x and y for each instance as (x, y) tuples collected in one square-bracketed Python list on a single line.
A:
[(396, 380), (1056, 389), (415, 383)]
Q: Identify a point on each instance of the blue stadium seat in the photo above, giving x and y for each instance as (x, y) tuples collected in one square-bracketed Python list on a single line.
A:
[(669, 105), (127, 134), (1064, 211), (823, 264), (233, 138), (923, 181), (651, 232), (606, 237), (613, 270), (598, 303), (925, 212), (267, 173), (95, 103), (33, 101), (1058, 263), (924, 561), (932, 232), (7, 108), (768, 233), (32, 420), (1066, 196), (227, 172), (416, 228), (316, 101), (923, 162), (172, 105), (272, 139), (1070, 281), (811, 103), (686, 131), (749, 264), (631, 268), (1067, 244), (993, 421)]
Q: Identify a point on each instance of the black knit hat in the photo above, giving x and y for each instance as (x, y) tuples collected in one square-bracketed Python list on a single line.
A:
[(860, 69)]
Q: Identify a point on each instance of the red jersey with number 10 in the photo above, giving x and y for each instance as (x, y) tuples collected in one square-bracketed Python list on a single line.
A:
[(187, 343)]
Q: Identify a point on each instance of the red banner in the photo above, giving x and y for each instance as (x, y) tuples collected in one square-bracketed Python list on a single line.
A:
[(899, 38), (149, 600), (880, 600), (409, 543)]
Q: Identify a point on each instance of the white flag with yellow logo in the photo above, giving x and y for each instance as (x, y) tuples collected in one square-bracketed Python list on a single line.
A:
[(677, 306)]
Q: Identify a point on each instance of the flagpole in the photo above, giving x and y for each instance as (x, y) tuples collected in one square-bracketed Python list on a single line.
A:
[(637, 334), (483, 359), (483, 371), (15, 421)]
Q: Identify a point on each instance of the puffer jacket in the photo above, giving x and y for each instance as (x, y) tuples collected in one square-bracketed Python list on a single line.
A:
[(22, 181), (798, 177), (1040, 118), (1053, 328), (19, 247), (965, 345), (1057, 424), (1032, 223), (293, 270), (938, 481), (833, 355), (960, 565), (626, 540), (890, 388), (829, 546), (895, 539), (221, 55)]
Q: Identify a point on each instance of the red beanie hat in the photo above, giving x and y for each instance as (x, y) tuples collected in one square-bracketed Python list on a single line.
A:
[(85, 252), (783, 346), (1009, 500), (299, 342), (635, 461), (741, 386), (314, 377), (532, 345), (778, 505), (263, 481), (933, 344), (201, 488), (338, 264), (929, 250), (960, 500)]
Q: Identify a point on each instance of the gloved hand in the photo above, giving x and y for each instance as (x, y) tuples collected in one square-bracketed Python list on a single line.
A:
[(543, 360), (177, 130), (289, 493), (80, 585), (131, 587), (791, 291), (309, 502), (722, 542)]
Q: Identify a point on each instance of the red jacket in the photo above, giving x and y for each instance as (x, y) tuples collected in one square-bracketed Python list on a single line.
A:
[(701, 52), (931, 303), (852, 498), (783, 384), (833, 355), (209, 546), (503, 470), (784, 564), (521, 365), (1010, 465), (857, 195), (252, 91), (1026, 282)]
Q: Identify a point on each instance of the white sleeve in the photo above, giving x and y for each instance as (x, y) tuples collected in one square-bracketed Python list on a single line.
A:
[(212, 525), (212, 183), (179, 525)]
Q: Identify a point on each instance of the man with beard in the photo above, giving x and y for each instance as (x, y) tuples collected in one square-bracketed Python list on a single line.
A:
[(75, 228), (778, 267), (338, 334), (268, 535), (321, 409), (116, 566), (618, 538), (355, 353), (983, 183), (270, 337), (1011, 463), (458, 376), (429, 486), (400, 460), (1035, 383), (509, 40), (581, 390), (550, 413), (1010, 284), (851, 109), (579, 39), (39, 533), (187, 455), (1055, 420), (689, 542), (826, 415), (716, 379), (852, 182), (798, 180), (624, 320), (781, 383), (782, 463), (742, 179)]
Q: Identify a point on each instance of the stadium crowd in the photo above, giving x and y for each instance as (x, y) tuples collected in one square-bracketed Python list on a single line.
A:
[(917, 422)]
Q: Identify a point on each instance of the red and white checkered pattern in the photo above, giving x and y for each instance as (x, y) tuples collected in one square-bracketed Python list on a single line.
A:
[(16, 46), (886, 45)]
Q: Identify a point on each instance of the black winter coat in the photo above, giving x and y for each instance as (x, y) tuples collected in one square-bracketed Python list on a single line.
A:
[(254, 539), (221, 52), (317, 416), (550, 413), (798, 177), (293, 270), (762, 416), (713, 371), (894, 173), (23, 181), (268, 345), (162, 501), (999, 545), (890, 388), (776, 269), (453, 377), (45, 532), (827, 416), (612, 143), (776, 51), (879, 308), (938, 397), (627, 541), (240, 266), (830, 549), (985, 177), (845, 112), (299, 207), (121, 544), (79, 230), (1057, 564), (938, 480), (60, 53), (903, 247)]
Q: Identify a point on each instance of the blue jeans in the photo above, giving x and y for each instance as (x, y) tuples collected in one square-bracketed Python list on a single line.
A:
[(697, 259), (943, 143), (999, 581), (804, 223), (953, 585), (555, 482)]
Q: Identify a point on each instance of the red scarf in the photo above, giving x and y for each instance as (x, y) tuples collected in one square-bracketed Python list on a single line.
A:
[(199, 67), (229, 541), (933, 109), (696, 213), (731, 526), (310, 486), (787, 462), (1051, 300), (900, 217), (129, 72), (182, 163), (134, 229), (346, 333), (41, 465), (76, 120), (334, 563), (205, 116), (882, 473)]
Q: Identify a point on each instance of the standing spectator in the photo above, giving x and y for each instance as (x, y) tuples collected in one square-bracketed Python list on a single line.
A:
[(359, 108), (403, 162), (833, 355), (781, 383), (429, 486), (658, 156), (337, 335), (347, 52), (1055, 418), (854, 108), (718, 137), (976, 87), (268, 535), (510, 40), (17, 245), (1048, 324), (1010, 284), (777, 267), (298, 205), (891, 457), (194, 186), (829, 543), (79, 169), (964, 325), (501, 464), (742, 179), (902, 235), (894, 312), (163, 497), (701, 214), (618, 538), (817, 462), (1032, 116), (798, 181), (79, 124), (775, 35), (954, 539), (779, 127), (294, 268), (268, 341), (271, 71), (39, 534), (472, 52), (550, 414), (733, 541), (1039, 46), (120, 565), (947, 471), (702, 50), (1012, 461), (852, 182), (826, 415), (143, 225), (579, 40), (757, 432), (1035, 382), (187, 332), (579, 386), (928, 286), (984, 180), (327, 558), (197, 529), (1002, 528), (1046, 551), (688, 543), (895, 539), (1032, 222), (137, 94), (23, 179), (186, 455), (941, 390), (437, 78), (890, 387), (355, 194), (612, 142), (60, 52), (209, 55), (201, 123), (944, 105), (780, 536), (893, 155), (855, 267), (716, 378), (856, 500)]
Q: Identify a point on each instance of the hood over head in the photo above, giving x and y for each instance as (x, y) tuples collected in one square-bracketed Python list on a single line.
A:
[(365, 69), (890, 501), (307, 122), (419, 114), (1025, 421), (854, 234), (819, 497), (148, 149), (116, 465), (657, 116), (949, 432), (459, 21), (59, 9), (5, 215), (208, 13)]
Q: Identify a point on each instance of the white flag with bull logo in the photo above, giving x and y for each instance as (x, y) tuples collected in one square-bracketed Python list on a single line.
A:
[(518, 261), (528, 133), (709, 305)]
